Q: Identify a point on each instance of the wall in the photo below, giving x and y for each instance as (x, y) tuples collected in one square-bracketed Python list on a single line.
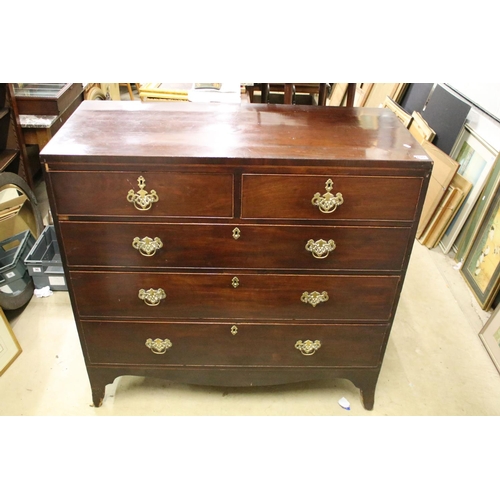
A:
[(484, 95), (484, 116)]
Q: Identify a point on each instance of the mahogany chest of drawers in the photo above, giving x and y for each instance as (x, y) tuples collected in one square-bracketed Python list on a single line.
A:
[(234, 245)]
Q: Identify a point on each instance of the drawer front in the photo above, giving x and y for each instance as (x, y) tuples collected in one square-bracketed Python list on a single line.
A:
[(363, 197), (230, 344), (246, 296), (231, 246), (179, 194)]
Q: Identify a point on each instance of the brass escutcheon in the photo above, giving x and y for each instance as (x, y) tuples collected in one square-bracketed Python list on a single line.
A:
[(320, 249), (159, 346), (327, 203), (236, 233), (142, 200), (234, 329), (235, 282), (307, 348), (147, 246), (152, 297), (314, 298)]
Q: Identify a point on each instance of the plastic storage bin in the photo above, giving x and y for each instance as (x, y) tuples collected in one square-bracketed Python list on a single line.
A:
[(44, 262), (13, 273)]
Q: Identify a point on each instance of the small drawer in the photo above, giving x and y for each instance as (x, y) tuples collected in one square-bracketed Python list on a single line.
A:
[(244, 296), (225, 246), (230, 344), (338, 197), (165, 194)]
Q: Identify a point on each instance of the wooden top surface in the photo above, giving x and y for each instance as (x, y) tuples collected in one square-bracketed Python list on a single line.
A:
[(184, 131)]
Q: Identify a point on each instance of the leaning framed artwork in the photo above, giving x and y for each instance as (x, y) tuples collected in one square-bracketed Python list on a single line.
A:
[(481, 268), (476, 159), (490, 336), (468, 234), (9, 346)]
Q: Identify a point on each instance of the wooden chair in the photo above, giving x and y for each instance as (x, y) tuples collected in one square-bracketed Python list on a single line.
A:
[(291, 90), (129, 88)]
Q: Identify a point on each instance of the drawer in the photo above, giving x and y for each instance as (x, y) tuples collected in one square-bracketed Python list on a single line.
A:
[(230, 246), (202, 344), (179, 194), (266, 196), (245, 296)]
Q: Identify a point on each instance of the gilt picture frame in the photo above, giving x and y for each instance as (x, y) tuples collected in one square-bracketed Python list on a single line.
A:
[(476, 159), (9, 346), (469, 232), (481, 268)]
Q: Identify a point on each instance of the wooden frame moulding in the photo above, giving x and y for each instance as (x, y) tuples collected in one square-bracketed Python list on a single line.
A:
[(10, 348), (338, 94), (400, 113), (420, 129), (461, 188), (443, 172), (362, 92), (441, 217), (378, 92), (154, 91)]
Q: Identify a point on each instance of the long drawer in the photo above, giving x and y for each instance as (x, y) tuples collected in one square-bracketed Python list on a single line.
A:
[(239, 295), (179, 194), (230, 246), (228, 344), (267, 196)]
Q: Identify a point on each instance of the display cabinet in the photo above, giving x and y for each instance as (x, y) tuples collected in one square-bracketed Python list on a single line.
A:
[(45, 98)]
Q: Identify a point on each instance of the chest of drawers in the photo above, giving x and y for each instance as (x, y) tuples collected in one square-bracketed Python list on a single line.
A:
[(234, 245)]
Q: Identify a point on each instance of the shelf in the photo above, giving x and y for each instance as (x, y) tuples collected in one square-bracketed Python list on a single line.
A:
[(8, 158)]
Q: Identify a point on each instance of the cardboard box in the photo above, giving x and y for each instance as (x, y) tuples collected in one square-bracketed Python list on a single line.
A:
[(16, 216)]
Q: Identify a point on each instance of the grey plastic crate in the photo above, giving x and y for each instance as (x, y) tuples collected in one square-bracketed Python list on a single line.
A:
[(13, 251), (44, 262), (17, 286)]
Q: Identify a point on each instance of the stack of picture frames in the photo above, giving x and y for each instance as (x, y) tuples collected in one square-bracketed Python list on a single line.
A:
[(461, 211), (447, 188), (448, 206), (467, 211), (477, 244)]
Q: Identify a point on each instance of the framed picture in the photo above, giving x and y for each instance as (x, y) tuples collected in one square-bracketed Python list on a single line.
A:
[(9, 346), (401, 114), (481, 268), (420, 129), (476, 160), (468, 234), (490, 336)]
